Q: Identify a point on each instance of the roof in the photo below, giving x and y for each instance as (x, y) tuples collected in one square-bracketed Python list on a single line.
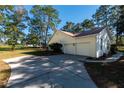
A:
[(68, 33), (95, 30)]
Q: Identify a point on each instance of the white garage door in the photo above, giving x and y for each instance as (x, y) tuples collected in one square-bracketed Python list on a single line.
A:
[(69, 48), (78, 49), (83, 48)]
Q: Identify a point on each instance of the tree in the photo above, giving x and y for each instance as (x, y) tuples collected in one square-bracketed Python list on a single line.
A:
[(51, 19), (87, 24), (101, 16), (32, 38), (4, 11), (72, 27), (77, 28), (120, 25), (15, 24), (96, 18), (107, 16), (68, 27), (46, 18), (36, 29), (37, 23)]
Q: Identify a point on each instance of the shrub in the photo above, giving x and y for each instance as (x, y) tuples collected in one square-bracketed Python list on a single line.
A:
[(113, 49), (56, 47)]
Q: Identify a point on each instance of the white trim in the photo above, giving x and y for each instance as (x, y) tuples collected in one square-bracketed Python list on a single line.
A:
[(87, 36)]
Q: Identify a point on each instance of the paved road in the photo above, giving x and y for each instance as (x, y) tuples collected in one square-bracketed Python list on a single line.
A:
[(48, 72)]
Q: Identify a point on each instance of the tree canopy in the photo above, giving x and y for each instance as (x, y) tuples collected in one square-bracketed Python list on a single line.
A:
[(13, 23), (44, 18)]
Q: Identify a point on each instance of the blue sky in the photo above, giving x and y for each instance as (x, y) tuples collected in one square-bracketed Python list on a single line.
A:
[(74, 13)]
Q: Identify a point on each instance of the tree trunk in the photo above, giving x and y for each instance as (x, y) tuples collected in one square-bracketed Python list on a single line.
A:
[(14, 41), (116, 39), (40, 39), (40, 36), (13, 47), (46, 33), (120, 40)]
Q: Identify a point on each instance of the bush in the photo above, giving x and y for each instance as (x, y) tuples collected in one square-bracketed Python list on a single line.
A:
[(113, 49), (56, 47), (20, 46)]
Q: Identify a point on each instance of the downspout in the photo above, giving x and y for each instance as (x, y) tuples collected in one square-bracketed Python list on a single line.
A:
[(75, 46), (96, 46)]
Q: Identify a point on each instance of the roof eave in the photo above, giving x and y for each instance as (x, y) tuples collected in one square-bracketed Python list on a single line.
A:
[(86, 35)]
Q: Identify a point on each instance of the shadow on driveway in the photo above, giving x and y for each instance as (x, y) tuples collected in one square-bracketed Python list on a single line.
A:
[(50, 71)]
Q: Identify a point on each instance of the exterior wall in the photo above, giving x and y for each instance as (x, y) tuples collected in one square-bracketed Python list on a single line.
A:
[(102, 43), (61, 38)]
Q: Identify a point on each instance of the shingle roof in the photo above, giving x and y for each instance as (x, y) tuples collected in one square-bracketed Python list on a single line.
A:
[(84, 33), (89, 32)]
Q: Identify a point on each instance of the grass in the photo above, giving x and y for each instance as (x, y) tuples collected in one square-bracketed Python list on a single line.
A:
[(8, 48), (121, 48), (6, 53), (107, 75)]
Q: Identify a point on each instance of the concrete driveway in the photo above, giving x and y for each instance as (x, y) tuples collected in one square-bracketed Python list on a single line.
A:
[(48, 72)]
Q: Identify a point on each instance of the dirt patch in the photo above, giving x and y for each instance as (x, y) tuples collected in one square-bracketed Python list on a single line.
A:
[(107, 75), (4, 73)]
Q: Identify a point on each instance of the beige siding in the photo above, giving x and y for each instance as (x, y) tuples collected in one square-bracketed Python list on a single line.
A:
[(61, 38)]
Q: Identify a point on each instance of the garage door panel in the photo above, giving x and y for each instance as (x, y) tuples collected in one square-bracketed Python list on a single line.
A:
[(83, 49), (69, 49)]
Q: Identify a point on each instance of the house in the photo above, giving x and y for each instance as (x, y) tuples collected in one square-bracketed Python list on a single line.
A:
[(94, 43)]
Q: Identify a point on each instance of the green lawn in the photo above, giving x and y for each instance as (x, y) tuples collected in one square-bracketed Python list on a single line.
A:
[(121, 48), (8, 48)]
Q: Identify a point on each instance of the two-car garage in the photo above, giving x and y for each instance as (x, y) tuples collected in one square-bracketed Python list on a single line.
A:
[(82, 48), (83, 45)]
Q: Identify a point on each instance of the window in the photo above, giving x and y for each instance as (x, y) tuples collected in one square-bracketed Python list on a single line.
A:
[(73, 44), (108, 45)]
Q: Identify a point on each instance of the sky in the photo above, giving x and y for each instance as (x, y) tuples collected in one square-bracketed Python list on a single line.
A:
[(73, 13)]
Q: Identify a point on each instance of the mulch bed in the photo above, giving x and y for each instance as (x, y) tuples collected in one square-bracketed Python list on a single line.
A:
[(107, 75), (102, 57)]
